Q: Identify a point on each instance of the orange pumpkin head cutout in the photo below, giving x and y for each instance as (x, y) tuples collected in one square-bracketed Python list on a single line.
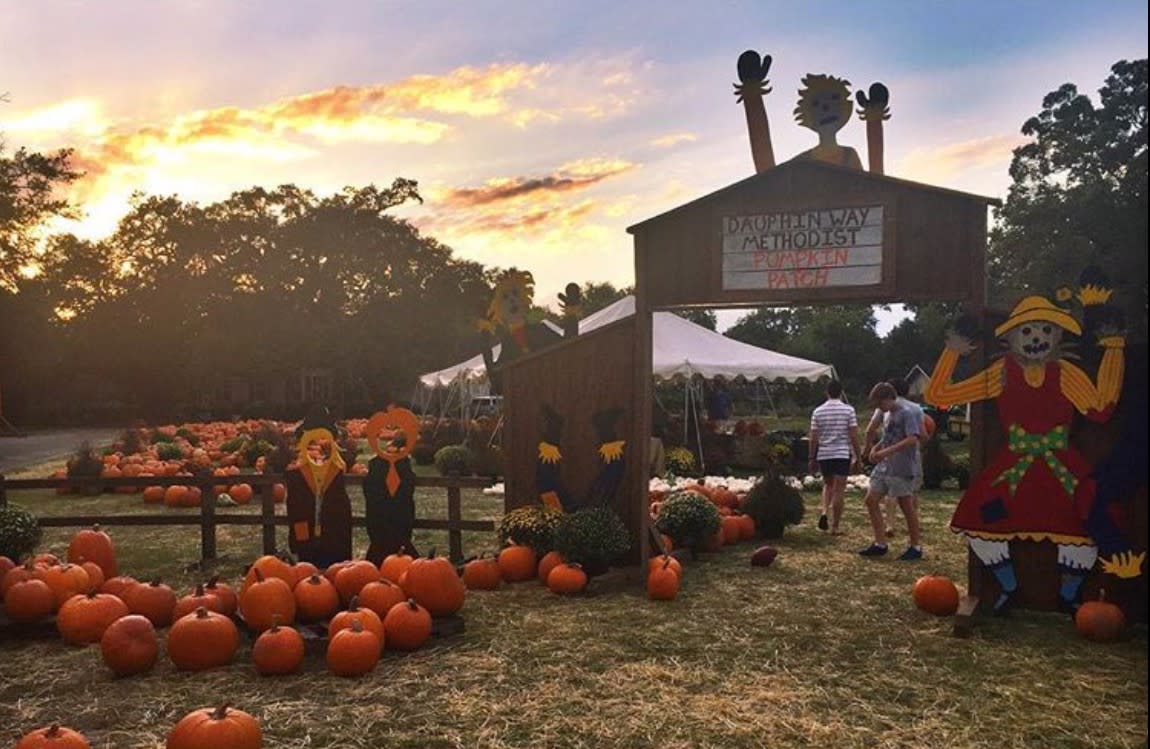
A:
[(392, 434)]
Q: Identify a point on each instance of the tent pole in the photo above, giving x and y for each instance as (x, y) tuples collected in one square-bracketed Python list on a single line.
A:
[(698, 432)]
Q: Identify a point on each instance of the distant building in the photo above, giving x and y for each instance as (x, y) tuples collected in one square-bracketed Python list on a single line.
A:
[(917, 379)]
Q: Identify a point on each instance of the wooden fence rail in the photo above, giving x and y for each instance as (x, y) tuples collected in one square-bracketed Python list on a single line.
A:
[(262, 484)]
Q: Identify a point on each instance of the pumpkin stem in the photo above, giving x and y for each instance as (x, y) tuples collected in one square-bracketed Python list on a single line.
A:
[(666, 561), (200, 590), (275, 622), (1102, 595), (431, 553), (259, 575), (314, 580), (214, 581), (221, 712), (356, 625), (353, 604), (412, 604), (201, 612), (53, 731), (155, 582)]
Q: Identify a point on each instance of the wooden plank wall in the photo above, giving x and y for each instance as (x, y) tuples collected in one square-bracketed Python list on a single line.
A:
[(577, 378)]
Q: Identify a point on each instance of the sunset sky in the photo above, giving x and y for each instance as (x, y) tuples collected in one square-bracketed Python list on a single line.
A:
[(538, 131)]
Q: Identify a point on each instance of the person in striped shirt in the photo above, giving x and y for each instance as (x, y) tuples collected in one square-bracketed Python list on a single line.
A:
[(834, 446)]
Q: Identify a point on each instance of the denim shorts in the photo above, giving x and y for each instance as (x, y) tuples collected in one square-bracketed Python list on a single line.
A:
[(894, 486)]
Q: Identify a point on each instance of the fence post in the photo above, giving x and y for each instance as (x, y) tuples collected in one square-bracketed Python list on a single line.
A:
[(207, 523), (268, 517), (454, 517), (3, 492)]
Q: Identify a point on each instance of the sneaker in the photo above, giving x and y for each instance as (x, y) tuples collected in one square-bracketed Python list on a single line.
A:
[(823, 524), (874, 550), (911, 554)]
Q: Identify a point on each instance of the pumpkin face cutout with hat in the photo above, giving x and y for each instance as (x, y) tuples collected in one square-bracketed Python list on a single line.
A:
[(318, 506), (1039, 487), (389, 487)]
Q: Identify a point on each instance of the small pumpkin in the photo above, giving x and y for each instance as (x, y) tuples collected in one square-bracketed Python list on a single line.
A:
[(201, 640), (83, 619), (317, 599), (304, 570), (518, 563), (153, 600), (936, 595), (350, 580), (407, 626), (332, 571), (663, 582), (481, 574), (567, 579), (29, 601), (129, 645), (95, 575), (278, 651), (229, 599), (19, 574), (731, 529), (194, 600), (394, 565), (380, 596), (53, 737), (747, 526), (667, 559), (434, 584), (66, 580), (367, 619), (154, 495), (269, 566), (550, 561), (241, 494), (176, 496), (219, 728), (119, 586), (1100, 621), (94, 545), (353, 651), (266, 599), (6, 565)]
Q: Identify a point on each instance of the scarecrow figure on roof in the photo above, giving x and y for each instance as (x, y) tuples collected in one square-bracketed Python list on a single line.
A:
[(1039, 487)]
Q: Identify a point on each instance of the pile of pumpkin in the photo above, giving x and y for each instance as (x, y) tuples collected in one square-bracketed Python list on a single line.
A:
[(735, 527), (220, 727), (518, 563)]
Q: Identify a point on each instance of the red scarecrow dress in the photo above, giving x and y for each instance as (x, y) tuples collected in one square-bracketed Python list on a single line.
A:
[(1038, 486)]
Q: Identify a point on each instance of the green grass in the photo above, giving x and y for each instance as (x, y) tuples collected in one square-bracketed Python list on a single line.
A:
[(822, 649)]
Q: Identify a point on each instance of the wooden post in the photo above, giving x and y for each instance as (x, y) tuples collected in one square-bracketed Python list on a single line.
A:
[(268, 516), (454, 516), (207, 524)]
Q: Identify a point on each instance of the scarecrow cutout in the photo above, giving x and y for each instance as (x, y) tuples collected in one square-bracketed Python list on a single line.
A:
[(824, 106), (389, 487), (506, 323), (548, 467), (1039, 487), (318, 507)]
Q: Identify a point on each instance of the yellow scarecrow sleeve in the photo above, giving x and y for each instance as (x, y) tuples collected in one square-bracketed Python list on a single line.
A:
[(1096, 402), (943, 393)]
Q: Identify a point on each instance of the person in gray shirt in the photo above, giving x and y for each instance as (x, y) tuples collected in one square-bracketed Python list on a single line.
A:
[(897, 471)]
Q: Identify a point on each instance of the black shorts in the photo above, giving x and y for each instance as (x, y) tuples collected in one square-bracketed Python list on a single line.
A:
[(835, 467)]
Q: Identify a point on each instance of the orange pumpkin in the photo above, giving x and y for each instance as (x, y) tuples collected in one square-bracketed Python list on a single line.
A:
[(26, 571), (550, 561), (202, 640), (95, 575), (194, 600), (119, 586), (278, 651), (350, 580), (316, 598), (45, 559), (367, 618), (154, 600), (66, 580), (83, 619), (381, 595), (269, 566), (154, 495), (747, 526), (176, 496), (53, 737), (304, 570), (434, 584), (333, 570), (94, 545), (1100, 621), (353, 651), (279, 493), (6, 565), (395, 565), (731, 529), (667, 560), (407, 626), (663, 582), (264, 600), (241, 494), (936, 595), (481, 574), (220, 727), (567, 579), (29, 601), (129, 645), (517, 563), (229, 599)]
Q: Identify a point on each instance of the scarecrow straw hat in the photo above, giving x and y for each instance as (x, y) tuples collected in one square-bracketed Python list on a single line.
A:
[(1038, 309)]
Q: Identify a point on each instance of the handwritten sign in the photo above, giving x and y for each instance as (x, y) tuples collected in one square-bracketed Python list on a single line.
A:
[(804, 249)]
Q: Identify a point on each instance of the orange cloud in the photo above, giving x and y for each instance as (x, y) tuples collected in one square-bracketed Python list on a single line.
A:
[(575, 176), (939, 163), (673, 139)]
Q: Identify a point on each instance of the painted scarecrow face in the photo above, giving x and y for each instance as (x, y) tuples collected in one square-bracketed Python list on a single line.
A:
[(393, 433), (1035, 342), (824, 105), (512, 299), (316, 447)]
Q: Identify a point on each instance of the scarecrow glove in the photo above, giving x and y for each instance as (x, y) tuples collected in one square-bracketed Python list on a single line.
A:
[(1125, 565)]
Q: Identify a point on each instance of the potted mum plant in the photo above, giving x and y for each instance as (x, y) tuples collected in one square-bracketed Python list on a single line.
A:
[(593, 537)]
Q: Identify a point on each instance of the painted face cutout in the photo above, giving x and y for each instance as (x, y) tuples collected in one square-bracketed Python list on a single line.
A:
[(824, 105), (316, 447), (392, 434), (1035, 342)]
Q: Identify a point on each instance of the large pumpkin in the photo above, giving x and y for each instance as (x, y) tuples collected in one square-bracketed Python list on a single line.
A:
[(1100, 621), (54, 737), (264, 600), (278, 651), (936, 595), (201, 640), (353, 651), (220, 728), (316, 598), (94, 545), (434, 584), (83, 619), (153, 600), (129, 645), (29, 601), (407, 626), (517, 563)]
